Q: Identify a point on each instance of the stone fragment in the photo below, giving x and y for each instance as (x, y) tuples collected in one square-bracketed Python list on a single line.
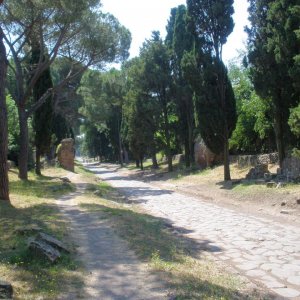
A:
[(52, 241), (10, 164), (6, 290), (44, 250), (271, 184), (98, 193), (65, 179), (280, 185), (298, 201)]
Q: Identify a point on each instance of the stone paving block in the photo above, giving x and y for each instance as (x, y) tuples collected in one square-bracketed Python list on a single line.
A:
[(269, 266), (248, 266), (287, 292), (281, 274), (291, 268), (294, 280), (256, 273)]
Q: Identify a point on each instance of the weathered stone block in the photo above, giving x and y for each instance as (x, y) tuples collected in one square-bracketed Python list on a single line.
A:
[(52, 241), (43, 249), (66, 154)]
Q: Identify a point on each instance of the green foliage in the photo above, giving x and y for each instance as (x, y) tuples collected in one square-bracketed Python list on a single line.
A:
[(294, 122), (103, 97), (13, 129), (272, 57), (212, 21), (253, 126)]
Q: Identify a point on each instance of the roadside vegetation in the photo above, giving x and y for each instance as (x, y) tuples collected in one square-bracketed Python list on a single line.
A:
[(33, 206)]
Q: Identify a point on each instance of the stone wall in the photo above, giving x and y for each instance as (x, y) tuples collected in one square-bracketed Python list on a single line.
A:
[(291, 168), (66, 154), (244, 161)]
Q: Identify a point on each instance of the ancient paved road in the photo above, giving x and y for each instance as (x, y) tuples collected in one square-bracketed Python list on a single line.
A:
[(263, 250)]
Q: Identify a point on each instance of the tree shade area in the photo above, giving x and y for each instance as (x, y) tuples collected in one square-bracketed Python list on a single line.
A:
[(55, 84)]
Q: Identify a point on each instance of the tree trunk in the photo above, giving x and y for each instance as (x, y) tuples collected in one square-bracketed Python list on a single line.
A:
[(137, 163), (23, 157), (154, 161), (168, 139), (187, 155), (279, 135), (141, 164), (191, 140), (38, 162), (4, 189), (227, 176), (126, 157)]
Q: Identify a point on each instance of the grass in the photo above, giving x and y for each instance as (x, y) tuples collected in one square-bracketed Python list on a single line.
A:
[(183, 263), (33, 203)]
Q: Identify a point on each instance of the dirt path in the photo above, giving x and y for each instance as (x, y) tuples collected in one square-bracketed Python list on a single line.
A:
[(113, 271), (268, 252)]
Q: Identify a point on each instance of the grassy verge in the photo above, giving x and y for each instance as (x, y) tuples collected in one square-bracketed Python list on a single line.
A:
[(33, 203), (183, 263)]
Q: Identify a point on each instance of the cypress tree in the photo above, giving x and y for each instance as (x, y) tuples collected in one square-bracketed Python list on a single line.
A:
[(43, 116)]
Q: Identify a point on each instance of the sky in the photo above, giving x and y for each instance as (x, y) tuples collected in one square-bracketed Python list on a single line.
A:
[(141, 17)]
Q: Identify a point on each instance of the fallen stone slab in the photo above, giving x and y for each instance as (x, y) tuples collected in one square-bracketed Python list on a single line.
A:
[(52, 241), (6, 290), (43, 249)]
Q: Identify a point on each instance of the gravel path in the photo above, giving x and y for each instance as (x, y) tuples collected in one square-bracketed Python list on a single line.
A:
[(113, 270), (263, 250)]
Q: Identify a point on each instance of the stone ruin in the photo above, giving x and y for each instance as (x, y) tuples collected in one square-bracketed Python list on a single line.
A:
[(258, 172), (291, 169), (290, 172), (66, 154), (204, 157)]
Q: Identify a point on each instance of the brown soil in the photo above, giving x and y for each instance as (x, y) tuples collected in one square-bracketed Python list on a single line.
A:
[(282, 204)]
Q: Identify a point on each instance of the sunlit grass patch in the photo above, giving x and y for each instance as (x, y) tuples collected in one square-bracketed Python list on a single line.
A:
[(33, 204)]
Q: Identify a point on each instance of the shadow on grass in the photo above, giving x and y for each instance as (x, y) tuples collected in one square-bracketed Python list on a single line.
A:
[(237, 184), (37, 275), (172, 254)]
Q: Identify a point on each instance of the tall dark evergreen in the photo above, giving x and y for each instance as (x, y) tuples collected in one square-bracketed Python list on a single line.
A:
[(139, 114), (43, 116), (211, 23), (157, 74), (274, 46), (180, 40)]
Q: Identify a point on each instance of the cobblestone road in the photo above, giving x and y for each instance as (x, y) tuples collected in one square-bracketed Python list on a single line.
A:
[(261, 249)]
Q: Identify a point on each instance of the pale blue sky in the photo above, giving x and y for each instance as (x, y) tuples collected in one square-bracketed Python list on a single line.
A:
[(142, 17)]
